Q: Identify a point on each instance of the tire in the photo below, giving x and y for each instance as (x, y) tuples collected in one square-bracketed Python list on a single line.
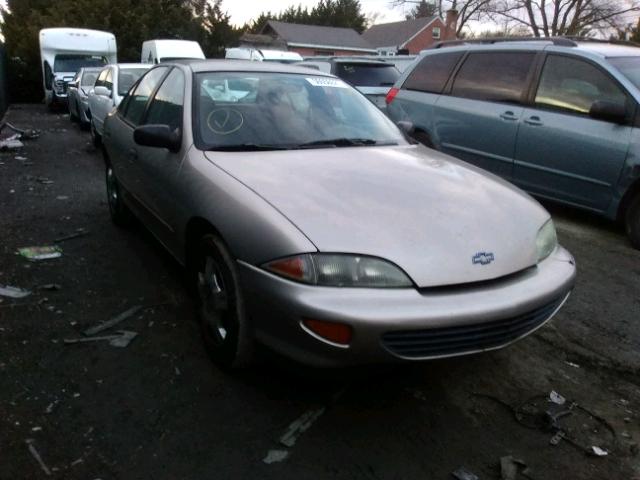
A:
[(221, 311), (120, 213), (73, 114), (96, 138), (632, 221), (423, 138)]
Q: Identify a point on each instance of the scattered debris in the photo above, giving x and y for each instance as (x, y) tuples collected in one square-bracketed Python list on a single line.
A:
[(37, 456), (509, 468), (571, 364), (51, 405), (177, 370), (557, 438), (275, 456), (122, 339), (299, 426), (36, 429), (597, 451), (13, 292), (62, 197), (77, 462), (464, 474), (11, 143), (41, 253), (556, 398), (80, 232), (49, 287), (44, 180), (112, 322), (20, 133), (19, 158)]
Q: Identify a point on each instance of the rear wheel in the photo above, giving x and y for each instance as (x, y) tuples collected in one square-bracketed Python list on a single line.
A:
[(120, 213), (223, 319), (96, 138), (73, 112), (632, 221)]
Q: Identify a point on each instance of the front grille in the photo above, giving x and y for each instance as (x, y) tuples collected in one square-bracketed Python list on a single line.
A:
[(445, 341)]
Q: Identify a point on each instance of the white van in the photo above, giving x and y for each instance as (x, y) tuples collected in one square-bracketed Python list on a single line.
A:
[(64, 51), (156, 51), (260, 55)]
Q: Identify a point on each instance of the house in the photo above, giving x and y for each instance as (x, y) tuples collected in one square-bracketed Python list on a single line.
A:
[(310, 40), (411, 36)]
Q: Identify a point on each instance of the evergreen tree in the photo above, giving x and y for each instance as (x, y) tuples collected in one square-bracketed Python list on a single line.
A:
[(422, 10)]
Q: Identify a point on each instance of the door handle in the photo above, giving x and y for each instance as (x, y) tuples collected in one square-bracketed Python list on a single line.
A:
[(534, 121), (133, 154), (508, 116)]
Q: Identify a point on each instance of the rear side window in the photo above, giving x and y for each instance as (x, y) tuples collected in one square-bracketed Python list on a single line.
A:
[(100, 82), (432, 73), (127, 77), (89, 79), (367, 74), (493, 76), (574, 85), (166, 107), (138, 99), (108, 81)]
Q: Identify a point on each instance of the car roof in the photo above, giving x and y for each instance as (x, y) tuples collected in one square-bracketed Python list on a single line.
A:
[(602, 48), (198, 66)]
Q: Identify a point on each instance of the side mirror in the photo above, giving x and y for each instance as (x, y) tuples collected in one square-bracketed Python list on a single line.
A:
[(406, 127), (608, 111), (158, 136), (102, 91)]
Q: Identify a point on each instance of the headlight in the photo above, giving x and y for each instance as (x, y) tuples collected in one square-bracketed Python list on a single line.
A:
[(546, 241), (340, 270)]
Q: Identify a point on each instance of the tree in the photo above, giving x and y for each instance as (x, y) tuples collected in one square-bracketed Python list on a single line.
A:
[(333, 13), (468, 10), (547, 18), (422, 10)]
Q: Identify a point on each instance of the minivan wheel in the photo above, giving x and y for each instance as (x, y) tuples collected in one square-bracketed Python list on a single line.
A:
[(632, 222), (223, 319), (95, 136), (120, 213), (423, 138)]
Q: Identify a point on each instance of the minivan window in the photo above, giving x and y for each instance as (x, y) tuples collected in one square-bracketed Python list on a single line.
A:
[(574, 85), (629, 66), (432, 73), (493, 76), (368, 74), (140, 96)]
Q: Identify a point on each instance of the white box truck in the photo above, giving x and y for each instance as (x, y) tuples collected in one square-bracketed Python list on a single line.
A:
[(156, 51), (64, 51)]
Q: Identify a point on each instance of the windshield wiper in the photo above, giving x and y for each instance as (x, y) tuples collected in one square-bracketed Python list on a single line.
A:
[(248, 147), (343, 142)]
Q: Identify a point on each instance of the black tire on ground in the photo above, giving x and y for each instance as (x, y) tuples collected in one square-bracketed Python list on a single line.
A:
[(632, 221), (73, 114), (423, 138), (96, 138), (223, 319), (120, 213)]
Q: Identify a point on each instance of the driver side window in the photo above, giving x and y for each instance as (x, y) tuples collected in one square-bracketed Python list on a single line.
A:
[(166, 106), (138, 99)]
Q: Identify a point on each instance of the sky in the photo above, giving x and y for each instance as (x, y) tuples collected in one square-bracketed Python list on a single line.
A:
[(242, 11)]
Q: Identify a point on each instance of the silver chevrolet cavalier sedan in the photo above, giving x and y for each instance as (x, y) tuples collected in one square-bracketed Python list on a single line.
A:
[(310, 223)]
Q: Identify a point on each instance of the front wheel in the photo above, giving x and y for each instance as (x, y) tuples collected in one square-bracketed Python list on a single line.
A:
[(120, 213), (632, 222), (223, 319)]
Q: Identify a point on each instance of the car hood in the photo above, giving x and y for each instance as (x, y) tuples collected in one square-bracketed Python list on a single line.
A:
[(428, 213)]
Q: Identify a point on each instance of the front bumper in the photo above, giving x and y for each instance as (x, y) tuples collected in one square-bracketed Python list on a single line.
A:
[(406, 324)]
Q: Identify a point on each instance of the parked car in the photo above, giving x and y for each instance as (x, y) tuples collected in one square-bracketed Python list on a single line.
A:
[(310, 224), (372, 77), (78, 94), (112, 84), (262, 55), (557, 117), (64, 51), (157, 51)]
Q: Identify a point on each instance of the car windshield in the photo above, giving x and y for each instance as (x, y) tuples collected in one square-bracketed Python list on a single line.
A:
[(258, 110), (367, 74), (629, 66), (73, 63), (127, 77), (89, 79)]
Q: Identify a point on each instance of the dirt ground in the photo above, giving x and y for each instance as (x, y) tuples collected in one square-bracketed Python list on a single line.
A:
[(159, 409)]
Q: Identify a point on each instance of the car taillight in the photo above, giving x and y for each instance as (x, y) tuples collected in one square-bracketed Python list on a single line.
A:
[(391, 95)]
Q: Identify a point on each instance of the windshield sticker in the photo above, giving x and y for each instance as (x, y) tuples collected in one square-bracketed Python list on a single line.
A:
[(225, 121), (326, 82)]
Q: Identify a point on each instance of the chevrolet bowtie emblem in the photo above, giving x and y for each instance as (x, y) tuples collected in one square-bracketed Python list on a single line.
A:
[(483, 258)]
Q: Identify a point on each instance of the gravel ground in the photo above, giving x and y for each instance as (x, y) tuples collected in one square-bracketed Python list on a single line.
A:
[(159, 409)]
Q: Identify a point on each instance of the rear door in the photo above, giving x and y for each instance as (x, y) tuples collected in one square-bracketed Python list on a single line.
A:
[(478, 119), (562, 153)]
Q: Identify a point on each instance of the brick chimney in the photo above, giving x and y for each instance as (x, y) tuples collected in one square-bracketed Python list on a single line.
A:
[(451, 24)]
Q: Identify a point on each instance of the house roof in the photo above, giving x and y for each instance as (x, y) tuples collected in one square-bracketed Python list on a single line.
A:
[(396, 33), (318, 36)]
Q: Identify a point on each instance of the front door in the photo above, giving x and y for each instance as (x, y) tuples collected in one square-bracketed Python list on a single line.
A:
[(561, 152)]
